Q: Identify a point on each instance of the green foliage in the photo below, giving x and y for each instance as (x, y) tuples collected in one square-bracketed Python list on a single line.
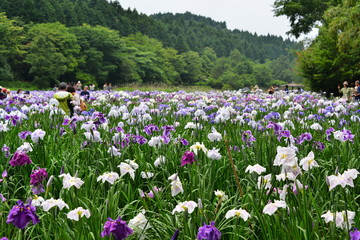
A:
[(102, 52), (52, 51), (334, 56), (10, 46), (303, 15)]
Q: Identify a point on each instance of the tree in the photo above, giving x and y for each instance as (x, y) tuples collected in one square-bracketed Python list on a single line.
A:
[(155, 64), (304, 14), (52, 52), (10, 46), (334, 56), (102, 55), (191, 73)]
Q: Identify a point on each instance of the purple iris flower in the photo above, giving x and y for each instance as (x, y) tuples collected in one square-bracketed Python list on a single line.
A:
[(348, 135), (2, 198), (319, 145), (209, 232), (20, 215), (328, 133), (248, 138), (303, 137), (187, 158), (36, 179), (62, 131), (119, 129), (6, 150), (274, 126), (149, 129), (4, 238), (184, 141), (13, 119), (176, 235), (38, 176), (20, 158), (23, 135), (167, 129), (355, 234), (166, 139), (118, 228), (283, 133), (100, 118), (342, 123), (140, 139)]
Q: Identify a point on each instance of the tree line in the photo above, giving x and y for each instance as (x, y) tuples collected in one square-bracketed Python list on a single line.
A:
[(95, 41), (334, 55)]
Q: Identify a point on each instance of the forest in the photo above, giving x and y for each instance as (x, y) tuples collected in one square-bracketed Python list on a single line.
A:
[(96, 41)]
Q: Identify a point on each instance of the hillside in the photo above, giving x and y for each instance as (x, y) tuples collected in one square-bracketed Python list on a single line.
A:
[(183, 32), (95, 41)]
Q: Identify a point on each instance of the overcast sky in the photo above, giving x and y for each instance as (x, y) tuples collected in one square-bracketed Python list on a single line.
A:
[(249, 15)]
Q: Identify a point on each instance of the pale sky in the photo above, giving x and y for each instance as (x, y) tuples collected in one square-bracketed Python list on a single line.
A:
[(248, 15)]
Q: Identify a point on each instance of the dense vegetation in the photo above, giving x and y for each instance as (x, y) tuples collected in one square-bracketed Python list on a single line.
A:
[(95, 41), (334, 56), (259, 166)]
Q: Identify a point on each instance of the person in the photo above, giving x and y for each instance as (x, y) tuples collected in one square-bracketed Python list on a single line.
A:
[(85, 93), (105, 86), (286, 89), (8, 93), (78, 86), (255, 88), (2, 93), (19, 91), (357, 90), (109, 87), (92, 87), (64, 98), (346, 91), (271, 90), (76, 97)]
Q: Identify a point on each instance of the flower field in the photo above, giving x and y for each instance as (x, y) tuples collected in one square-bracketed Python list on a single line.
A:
[(180, 165)]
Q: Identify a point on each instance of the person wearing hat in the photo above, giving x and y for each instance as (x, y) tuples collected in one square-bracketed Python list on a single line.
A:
[(346, 91), (64, 98)]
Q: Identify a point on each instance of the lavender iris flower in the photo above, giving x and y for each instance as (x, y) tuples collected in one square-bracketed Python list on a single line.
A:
[(20, 158), (303, 137), (248, 138), (274, 126), (2, 198), (13, 119), (167, 129), (283, 133), (149, 129), (140, 139), (23, 135), (328, 133), (118, 228), (355, 234), (20, 215), (6, 150), (184, 142), (209, 232), (319, 145)]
